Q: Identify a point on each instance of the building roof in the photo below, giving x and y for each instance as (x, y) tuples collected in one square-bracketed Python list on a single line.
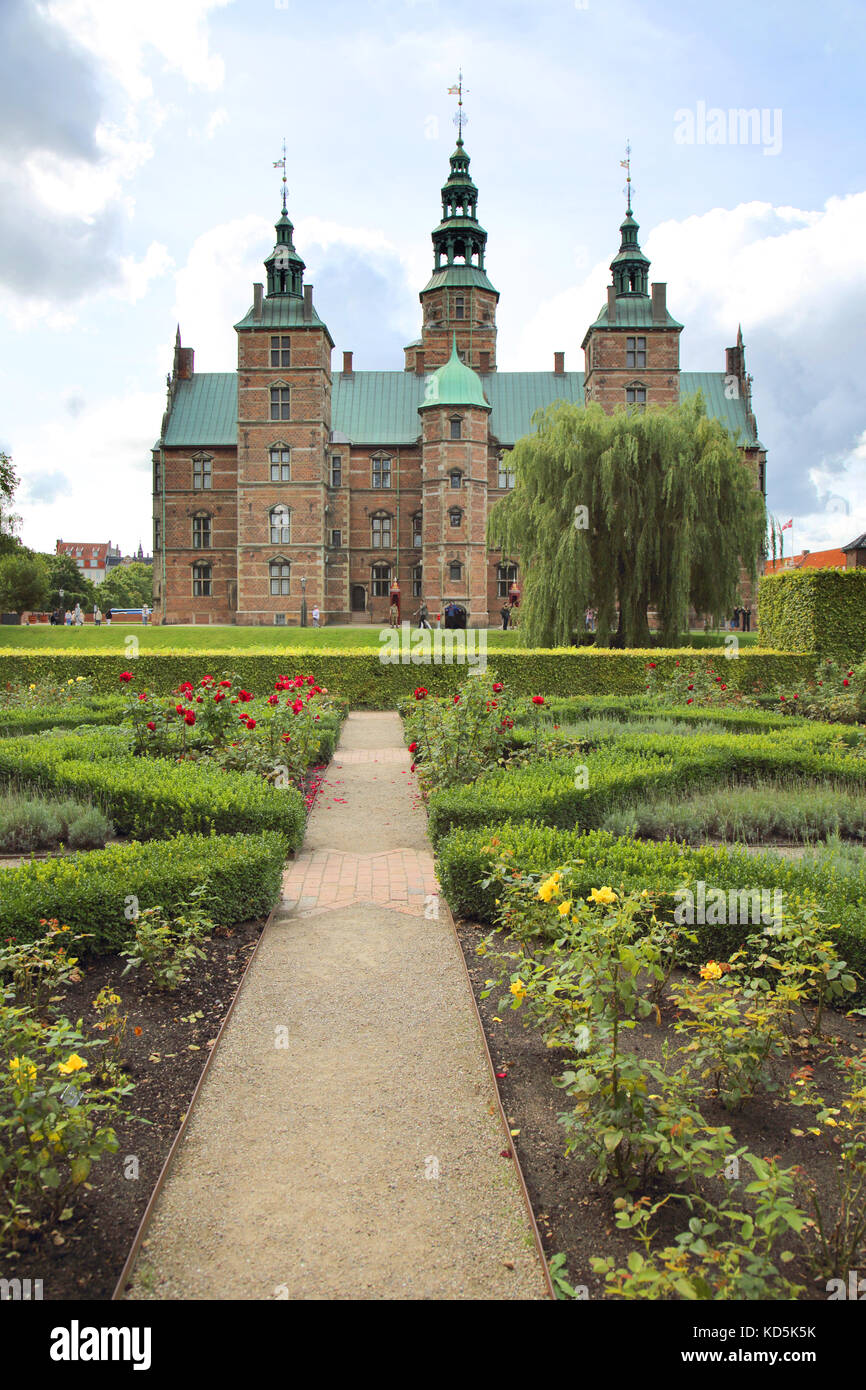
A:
[(807, 560), (282, 311), (382, 407), (858, 543), (454, 383), (634, 311), (459, 276), (94, 554)]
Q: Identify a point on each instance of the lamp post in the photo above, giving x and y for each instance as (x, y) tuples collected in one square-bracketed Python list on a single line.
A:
[(303, 601)]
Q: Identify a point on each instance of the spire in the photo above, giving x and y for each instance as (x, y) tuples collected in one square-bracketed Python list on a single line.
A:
[(459, 239), (630, 266)]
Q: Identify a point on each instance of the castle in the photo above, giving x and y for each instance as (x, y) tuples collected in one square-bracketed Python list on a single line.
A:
[(284, 485)]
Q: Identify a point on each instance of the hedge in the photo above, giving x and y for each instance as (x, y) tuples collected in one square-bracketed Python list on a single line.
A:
[(106, 709), (817, 610), (362, 680), (634, 763), (89, 892), (464, 858), (638, 708), (153, 797)]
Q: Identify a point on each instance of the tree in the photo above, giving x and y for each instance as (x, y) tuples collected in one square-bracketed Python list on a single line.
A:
[(127, 586), (23, 583), (644, 508), (63, 573), (8, 519)]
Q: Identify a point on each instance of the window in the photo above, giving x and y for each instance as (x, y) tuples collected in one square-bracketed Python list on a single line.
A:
[(455, 571), (279, 620), (336, 470), (506, 575), (506, 472), (280, 574), (381, 581), (202, 472), (381, 472), (201, 581), (416, 529), (201, 532), (281, 351), (281, 464), (281, 403), (336, 539), (459, 307), (157, 533), (157, 476), (455, 478), (380, 532), (635, 395), (635, 352), (417, 576), (455, 516), (455, 423), (281, 525)]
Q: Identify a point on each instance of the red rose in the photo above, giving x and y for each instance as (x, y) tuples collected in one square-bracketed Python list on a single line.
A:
[(245, 696), (273, 699), (690, 702), (151, 725), (225, 684), (538, 699), (179, 709), (845, 682), (651, 666), (250, 723), (724, 687), (456, 699), (421, 693), (220, 695), (298, 706), (412, 768), (796, 697), (143, 696), (125, 676), (198, 699), (413, 747), (497, 686), (189, 717), (782, 698), (691, 687)]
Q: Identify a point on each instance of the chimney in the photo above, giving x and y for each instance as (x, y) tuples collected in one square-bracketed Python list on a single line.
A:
[(308, 304), (484, 363), (186, 356), (611, 304), (559, 363), (258, 293), (347, 364), (419, 361), (659, 305)]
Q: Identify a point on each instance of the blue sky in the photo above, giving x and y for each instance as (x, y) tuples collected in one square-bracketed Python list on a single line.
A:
[(136, 153)]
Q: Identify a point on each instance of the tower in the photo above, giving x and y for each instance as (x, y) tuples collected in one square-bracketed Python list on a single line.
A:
[(458, 299), (454, 479), (632, 349), (284, 424)]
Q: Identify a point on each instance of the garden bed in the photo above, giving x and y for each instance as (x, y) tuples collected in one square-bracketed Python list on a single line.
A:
[(82, 1258), (574, 1214)]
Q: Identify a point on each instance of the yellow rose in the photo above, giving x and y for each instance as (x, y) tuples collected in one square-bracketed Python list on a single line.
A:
[(22, 1069), (564, 909), (711, 971), (518, 989), (33, 687), (72, 1064), (602, 895)]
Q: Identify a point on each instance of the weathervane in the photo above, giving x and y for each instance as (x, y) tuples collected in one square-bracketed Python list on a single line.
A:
[(281, 164), (460, 120), (626, 164)]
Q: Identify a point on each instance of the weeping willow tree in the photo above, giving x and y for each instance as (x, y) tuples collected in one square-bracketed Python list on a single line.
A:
[(635, 509)]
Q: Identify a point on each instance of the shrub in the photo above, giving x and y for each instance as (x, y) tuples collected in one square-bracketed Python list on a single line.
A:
[(815, 610), (98, 893), (28, 824), (168, 943)]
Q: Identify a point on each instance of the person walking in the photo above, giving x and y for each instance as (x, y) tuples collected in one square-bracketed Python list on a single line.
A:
[(505, 614), (78, 615), (145, 614), (315, 615), (747, 619), (97, 615), (108, 618), (423, 615)]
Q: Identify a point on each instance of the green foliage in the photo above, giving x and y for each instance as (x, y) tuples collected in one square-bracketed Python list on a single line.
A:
[(126, 586), (361, 680), (98, 893), (9, 520), (781, 809), (35, 970), (669, 514), (23, 582), (63, 573), (28, 823), (815, 610), (168, 943)]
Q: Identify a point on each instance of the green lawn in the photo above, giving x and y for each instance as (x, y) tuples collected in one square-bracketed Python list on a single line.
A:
[(177, 638)]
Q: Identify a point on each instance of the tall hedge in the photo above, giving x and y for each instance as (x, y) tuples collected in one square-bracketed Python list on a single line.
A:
[(817, 610), (362, 680)]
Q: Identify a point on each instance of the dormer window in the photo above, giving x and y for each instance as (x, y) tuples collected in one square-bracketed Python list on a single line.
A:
[(456, 425)]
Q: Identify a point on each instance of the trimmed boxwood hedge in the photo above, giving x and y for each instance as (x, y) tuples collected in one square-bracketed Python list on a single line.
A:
[(153, 797), (362, 680), (89, 892), (636, 762), (105, 709), (817, 610), (464, 858)]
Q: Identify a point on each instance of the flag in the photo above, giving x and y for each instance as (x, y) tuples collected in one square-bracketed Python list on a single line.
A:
[(454, 91), (279, 164), (623, 164), (788, 524)]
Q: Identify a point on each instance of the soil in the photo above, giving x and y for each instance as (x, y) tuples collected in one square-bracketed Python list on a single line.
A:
[(575, 1215), (83, 1257)]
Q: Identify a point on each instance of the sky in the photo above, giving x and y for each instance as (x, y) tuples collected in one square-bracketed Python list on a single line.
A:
[(138, 191)]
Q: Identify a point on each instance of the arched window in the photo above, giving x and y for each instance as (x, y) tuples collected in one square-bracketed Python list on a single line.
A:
[(417, 521), (455, 477), (455, 517), (380, 531), (281, 463), (201, 533), (201, 581), (455, 571), (380, 472), (506, 575), (456, 426), (280, 572), (381, 576), (280, 525)]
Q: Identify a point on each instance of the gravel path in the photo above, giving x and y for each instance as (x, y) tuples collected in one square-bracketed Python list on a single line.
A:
[(346, 1143)]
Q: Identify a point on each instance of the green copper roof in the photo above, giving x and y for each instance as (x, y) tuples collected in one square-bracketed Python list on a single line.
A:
[(634, 311), (283, 311), (459, 276), (381, 408), (454, 383)]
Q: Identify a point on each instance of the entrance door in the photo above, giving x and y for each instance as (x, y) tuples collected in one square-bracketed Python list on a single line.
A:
[(359, 598)]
